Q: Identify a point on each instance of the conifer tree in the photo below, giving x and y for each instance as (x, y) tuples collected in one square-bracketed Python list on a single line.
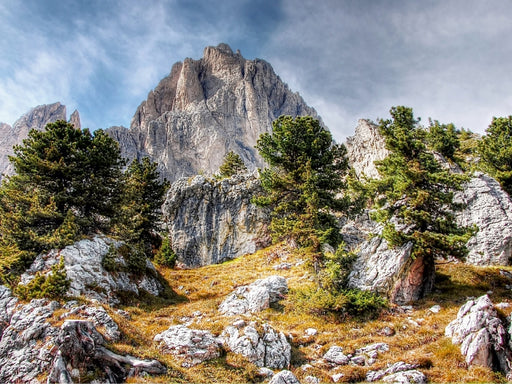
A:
[(414, 195), (495, 150), (303, 181), (142, 198), (232, 165), (67, 184)]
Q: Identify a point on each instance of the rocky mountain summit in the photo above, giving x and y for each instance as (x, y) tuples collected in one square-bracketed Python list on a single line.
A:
[(206, 108)]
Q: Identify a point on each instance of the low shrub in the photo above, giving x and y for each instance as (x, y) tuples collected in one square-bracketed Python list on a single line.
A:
[(165, 255), (351, 302), (54, 285)]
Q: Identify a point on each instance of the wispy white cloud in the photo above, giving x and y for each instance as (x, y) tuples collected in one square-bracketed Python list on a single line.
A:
[(357, 59)]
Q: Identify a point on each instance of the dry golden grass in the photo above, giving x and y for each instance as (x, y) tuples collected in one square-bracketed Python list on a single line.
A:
[(418, 335)]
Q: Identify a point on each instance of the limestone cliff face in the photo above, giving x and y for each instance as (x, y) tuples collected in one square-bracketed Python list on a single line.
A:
[(206, 108), (213, 221), (36, 118), (365, 147)]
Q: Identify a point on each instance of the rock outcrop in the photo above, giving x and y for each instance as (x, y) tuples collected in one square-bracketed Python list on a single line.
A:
[(36, 118), (364, 148), (84, 262), (254, 297), (390, 272), (260, 344), (483, 338), (488, 207), (206, 108), (284, 377), (192, 346), (27, 340), (30, 346), (213, 221), (399, 372)]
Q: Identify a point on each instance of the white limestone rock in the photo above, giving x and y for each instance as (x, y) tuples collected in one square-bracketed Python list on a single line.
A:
[(254, 297), (482, 336), (192, 346), (364, 148), (488, 207), (7, 305), (210, 221), (284, 377), (84, 268), (336, 356), (27, 342), (261, 345)]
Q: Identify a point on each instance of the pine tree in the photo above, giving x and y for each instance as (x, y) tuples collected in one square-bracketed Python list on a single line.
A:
[(67, 184), (303, 181), (232, 165), (142, 198), (414, 195), (495, 150)]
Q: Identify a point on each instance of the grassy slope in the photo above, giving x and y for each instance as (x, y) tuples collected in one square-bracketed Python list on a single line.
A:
[(203, 289)]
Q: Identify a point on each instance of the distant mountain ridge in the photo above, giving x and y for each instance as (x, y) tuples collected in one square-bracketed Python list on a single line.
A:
[(36, 118), (202, 110)]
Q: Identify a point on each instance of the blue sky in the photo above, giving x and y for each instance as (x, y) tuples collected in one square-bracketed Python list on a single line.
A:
[(349, 59)]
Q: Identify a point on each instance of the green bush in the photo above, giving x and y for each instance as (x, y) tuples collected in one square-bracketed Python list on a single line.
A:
[(109, 260), (53, 285), (165, 255), (352, 302)]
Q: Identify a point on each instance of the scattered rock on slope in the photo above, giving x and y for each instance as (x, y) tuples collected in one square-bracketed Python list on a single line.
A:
[(482, 336), (254, 297), (191, 345), (213, 221), (260, 344), (30, 346)]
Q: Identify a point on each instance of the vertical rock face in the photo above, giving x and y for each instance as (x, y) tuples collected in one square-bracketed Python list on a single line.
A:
[(488, 207), (365, 147), (212, 221), (36, 118), (206, 108)]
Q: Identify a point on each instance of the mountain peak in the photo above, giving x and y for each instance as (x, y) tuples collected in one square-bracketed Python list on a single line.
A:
[(205, 108)]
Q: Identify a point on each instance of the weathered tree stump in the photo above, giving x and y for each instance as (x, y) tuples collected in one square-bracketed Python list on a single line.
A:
[(82, 350)]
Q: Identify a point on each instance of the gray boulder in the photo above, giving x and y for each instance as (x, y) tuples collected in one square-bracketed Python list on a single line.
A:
[(192, 346), (399, 372), (336, 356), (213, 221), (254, 297), (261, 345), (284, 377), (84, 264), (27, 342), (488, 207), (482, 336), (390, 272)]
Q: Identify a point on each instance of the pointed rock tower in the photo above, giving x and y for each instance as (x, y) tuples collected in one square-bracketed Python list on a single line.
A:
[(206, 108)]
